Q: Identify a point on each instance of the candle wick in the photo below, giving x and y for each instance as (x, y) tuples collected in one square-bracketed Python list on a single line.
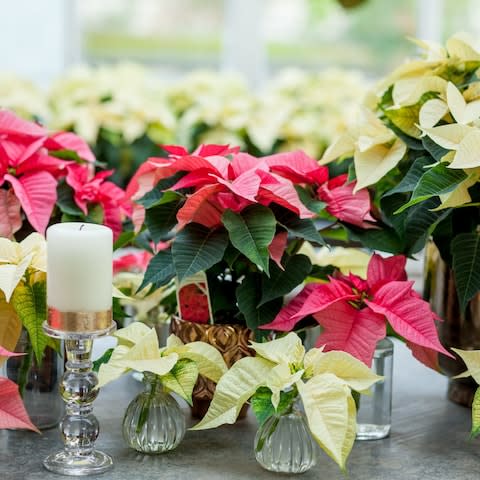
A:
[(81, 226)]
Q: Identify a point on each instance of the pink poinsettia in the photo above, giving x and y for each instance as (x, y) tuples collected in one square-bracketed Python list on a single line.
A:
[(30, 169), (12, 410), (222, 178), (354, 312), (342, 203), (89, 191), (136, 262)]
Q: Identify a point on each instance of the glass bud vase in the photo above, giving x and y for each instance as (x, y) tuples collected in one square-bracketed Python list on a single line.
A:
[(284, 443), (38, 381), (153, 422), (375, 410)]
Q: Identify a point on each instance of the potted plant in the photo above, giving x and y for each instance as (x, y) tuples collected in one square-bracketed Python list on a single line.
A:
[(239, 221), (278, 381), (415, 147)]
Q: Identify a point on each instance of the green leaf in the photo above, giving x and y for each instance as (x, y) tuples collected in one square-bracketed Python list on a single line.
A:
[(466, 266), (197, 248), (30, 303), (124, 239), (182, 378), (300, 227), (436, 151), (281, 282), (95, 214), (158, 195), (262, 404), (405, 119), (249, 294), (161, 219), (420, 222), (160, 270), (103, 359), (385, 240), (476, 415), (65, 200), (411, 178), (251, 232), (434, 182), (313, 204)]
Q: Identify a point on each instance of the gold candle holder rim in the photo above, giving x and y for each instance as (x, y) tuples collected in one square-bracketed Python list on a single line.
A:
[(63, 324)]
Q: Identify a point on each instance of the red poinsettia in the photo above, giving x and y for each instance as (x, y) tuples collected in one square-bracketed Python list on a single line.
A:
[(30, 169), (354, 312), (97, 190)]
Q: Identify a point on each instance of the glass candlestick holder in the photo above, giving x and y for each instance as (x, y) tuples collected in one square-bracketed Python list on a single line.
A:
[(79, 427)]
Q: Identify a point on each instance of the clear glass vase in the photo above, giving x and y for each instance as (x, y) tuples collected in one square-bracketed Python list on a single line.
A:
[(38, 382), (375, 410), (153, 422), (284, 443)]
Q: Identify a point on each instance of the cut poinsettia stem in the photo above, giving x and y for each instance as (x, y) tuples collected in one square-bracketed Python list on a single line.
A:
[(24, 370)]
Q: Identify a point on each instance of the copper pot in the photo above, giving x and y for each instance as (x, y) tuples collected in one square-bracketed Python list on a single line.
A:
[(230, 340), (458, 329)]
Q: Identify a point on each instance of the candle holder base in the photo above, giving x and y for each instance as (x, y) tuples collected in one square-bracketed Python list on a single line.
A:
[(66, 463), (78, 389)]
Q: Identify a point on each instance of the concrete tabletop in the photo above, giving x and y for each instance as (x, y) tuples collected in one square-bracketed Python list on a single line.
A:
[(429, 440)]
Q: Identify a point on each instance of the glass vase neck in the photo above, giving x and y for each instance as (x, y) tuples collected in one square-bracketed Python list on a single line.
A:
[(152, 382)]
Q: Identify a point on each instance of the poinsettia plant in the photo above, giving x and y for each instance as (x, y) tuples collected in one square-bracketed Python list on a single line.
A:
[(177, 365), (22, 306), (416, 146), (282, 373), (354, 312), (47, 175), (241, 219)]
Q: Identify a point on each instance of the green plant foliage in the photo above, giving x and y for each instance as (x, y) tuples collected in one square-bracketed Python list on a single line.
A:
[(249, 294), (162, 218), (251, 232), (281, 282), (197, 248), (160, 270), (30, 303), (466, 266), (262, 406), (182, 378)]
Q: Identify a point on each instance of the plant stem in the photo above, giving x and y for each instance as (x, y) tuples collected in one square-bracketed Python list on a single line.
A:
[(25, 366), (146, 407)]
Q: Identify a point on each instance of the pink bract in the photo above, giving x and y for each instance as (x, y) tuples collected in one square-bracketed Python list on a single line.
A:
[(354, 312)]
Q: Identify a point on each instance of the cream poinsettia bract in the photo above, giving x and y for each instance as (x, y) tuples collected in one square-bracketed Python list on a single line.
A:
[(374, 147), (16, 258), (323, 381), (177, 365), (472, 361)]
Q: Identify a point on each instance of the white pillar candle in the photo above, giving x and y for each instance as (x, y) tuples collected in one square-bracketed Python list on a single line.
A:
[(79, 267)]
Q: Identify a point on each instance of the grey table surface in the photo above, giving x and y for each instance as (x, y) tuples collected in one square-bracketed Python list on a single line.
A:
[(429, 440)]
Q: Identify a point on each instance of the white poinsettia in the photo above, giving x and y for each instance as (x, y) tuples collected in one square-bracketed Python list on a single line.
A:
[(375, 149), (177, 365), (346, 260), (323, 382), (16, 258), (124, 99)]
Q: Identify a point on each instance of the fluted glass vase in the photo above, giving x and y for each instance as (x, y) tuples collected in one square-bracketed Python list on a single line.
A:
[(153, 422), (284, 443)]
